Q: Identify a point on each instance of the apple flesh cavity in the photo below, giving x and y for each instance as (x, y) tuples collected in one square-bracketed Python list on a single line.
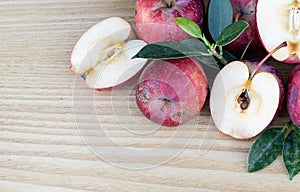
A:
[(245, 10), (154, 19), (244, 100), (171, 92), (103, 54), (293, 95), (279, 21)]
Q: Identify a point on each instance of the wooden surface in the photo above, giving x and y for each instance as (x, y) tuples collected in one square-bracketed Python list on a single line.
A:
[(49, 131)]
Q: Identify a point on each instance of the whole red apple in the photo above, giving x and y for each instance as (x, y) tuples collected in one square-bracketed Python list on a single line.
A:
[(246, 10), (293, 95), (171, 92), (154, 19)]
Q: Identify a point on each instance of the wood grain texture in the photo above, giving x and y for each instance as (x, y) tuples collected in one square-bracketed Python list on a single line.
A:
[(48, 116)]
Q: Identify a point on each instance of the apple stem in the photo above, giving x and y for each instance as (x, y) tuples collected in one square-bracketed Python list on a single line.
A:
[(169, 3), (284, 44), (237, 17), (219, 56)]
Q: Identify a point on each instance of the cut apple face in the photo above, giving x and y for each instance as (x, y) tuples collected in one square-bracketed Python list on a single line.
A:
[(279, 21), (103, 55), (241, 106)]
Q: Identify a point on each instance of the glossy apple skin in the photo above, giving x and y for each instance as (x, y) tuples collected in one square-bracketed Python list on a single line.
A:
[(270, 69), (171, 92), (155, 23), (293, 95), (247, 9)]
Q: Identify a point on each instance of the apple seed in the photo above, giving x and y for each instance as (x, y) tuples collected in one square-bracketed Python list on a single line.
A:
[(244, 99)]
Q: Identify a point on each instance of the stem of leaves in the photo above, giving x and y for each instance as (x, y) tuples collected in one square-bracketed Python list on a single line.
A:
[(287, 128), (213, 50)]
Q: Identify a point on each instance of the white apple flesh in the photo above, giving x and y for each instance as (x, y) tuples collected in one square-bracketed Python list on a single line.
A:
[(245, 98), (279, 21), (103, 55)]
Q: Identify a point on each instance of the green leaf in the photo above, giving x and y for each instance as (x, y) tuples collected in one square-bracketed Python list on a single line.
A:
[(171, 50), (265, 149), (189, 26), (291, 154), (231, 32), (176, 50), (201, 47), (220, 15), (157, 51), (296, 128)]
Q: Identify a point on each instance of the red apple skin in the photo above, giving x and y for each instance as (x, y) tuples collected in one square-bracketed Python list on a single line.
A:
[(171, 92), (245, 10), (293, 95), (270, 69), (292, 59), (155, 22)]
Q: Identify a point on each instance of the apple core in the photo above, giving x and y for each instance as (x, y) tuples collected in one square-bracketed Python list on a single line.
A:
[(110, 53)]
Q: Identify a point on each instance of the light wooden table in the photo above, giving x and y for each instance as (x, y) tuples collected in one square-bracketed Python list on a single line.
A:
[(44, 130)]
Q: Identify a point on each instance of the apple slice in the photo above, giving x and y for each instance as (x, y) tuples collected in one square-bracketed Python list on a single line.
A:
[(103, 55), (246, 97), (279, 21)]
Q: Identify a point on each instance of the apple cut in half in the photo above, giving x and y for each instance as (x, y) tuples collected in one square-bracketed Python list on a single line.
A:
[(278, 21), (103, 54), (243, 105)]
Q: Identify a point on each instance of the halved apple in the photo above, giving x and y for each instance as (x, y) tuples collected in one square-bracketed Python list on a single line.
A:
[(244, 101), (103, 54), (279, 21)]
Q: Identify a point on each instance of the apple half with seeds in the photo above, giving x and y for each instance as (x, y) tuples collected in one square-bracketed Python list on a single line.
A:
[(279, 21), (246, 97), (103, 54)]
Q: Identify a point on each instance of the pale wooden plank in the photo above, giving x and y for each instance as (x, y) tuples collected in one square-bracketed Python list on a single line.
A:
[(41, 147)]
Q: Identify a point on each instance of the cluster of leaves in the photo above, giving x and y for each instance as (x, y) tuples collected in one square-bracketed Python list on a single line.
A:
[(272, 143), (221, 28)]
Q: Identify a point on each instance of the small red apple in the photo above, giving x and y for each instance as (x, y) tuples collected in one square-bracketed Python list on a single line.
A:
[(154, 19), (171, 92), (246, 10), (293, 95)]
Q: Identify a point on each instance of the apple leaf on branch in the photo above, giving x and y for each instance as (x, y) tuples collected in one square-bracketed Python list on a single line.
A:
[(220, 15), (199, 45), (189, 27), (291, 153), (271, 143), (231, 33), (176, 50), (205, 52), (161, 51), (265, 149)]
